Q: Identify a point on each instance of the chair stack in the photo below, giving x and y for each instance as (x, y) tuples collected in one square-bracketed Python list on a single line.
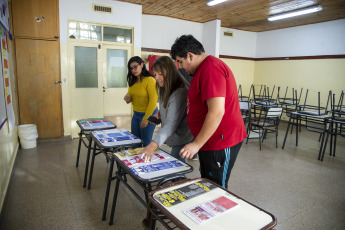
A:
[(336, 125)]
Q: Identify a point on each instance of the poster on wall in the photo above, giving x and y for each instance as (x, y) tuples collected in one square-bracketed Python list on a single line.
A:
[(4, 14), (3, 116), (6, 78)]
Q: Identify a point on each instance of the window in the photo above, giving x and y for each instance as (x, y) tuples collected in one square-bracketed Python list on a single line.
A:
[(84, 31), (88, 31), (121, 35)]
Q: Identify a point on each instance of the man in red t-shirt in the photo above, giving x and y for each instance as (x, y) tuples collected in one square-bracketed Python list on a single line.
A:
[(213, 110)]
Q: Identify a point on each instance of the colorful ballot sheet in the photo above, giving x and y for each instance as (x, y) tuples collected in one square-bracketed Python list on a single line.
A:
[(208, 210), (115, 137), (95, 123), (161, 164), (176, 196)]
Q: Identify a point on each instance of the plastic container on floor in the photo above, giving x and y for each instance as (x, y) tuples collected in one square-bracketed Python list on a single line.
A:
[(28, 144), (28, 136)]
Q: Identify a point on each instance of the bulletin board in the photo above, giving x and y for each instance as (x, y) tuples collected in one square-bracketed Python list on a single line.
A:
[(6, 106), (3, 115), (4, 21)]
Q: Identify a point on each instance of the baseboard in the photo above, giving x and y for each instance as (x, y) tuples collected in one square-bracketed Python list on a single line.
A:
[(54, 139)]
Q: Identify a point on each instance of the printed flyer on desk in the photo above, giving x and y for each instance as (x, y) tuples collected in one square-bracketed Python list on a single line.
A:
[(184, 193), (211, 209)]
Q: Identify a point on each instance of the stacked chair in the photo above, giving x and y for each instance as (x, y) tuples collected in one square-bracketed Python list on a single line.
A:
[(336, 125), (267, 114)]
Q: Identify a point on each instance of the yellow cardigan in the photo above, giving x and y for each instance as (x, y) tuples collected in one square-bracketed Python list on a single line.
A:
[(144, 96)]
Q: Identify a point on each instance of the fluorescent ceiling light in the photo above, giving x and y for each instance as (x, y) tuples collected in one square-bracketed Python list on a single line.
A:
[(215, 2), (294, 13)]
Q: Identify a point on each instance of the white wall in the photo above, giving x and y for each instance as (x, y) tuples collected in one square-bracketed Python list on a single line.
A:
[(210, 37), (160, 32), (327, 38), (124, 14), (241, 44)]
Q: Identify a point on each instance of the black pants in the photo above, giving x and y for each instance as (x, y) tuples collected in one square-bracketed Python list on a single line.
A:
[(216, 165)]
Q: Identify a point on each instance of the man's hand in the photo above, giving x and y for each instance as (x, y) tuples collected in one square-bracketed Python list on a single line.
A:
[(189, 150)]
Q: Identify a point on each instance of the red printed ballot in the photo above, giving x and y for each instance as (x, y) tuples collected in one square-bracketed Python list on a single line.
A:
[(211, 209)]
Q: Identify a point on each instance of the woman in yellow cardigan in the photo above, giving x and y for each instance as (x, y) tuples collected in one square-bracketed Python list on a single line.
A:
[(143, 95)]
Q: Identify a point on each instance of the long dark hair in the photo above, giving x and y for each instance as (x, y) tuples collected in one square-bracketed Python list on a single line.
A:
[(172, 78), (131, 79)]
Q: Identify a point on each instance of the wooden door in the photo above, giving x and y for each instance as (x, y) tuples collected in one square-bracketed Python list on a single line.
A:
[(38, 68), (36, 18)]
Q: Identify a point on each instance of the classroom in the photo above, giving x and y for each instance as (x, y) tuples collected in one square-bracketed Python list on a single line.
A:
[(42, 188)]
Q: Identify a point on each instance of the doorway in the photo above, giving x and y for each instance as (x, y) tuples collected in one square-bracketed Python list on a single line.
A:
[(98, 80)]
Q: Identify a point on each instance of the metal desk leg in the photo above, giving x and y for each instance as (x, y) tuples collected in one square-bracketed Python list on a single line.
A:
[(297, 127), (335, 138), (108, 189), (149, 222), (323, 148), (287, 131), (87, 161), (323, 143), (79, 145), (151, 218), (111, 222), (92, 163)]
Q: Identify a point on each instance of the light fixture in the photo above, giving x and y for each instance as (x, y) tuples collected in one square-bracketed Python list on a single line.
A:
[(294, 13), (214, 2)]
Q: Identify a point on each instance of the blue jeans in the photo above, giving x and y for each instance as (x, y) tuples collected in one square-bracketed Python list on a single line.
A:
[(175, 150), (146, 133)]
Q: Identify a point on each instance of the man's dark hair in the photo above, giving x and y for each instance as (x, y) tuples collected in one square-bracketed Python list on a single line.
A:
[(185, 44)]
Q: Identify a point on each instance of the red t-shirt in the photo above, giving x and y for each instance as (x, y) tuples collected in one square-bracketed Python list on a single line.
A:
[(213, 78)]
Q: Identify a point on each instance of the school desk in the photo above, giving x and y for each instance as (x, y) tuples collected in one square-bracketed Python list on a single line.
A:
[(201, 204), (110, 141), (313, 122), (162, 169), (86, 126)]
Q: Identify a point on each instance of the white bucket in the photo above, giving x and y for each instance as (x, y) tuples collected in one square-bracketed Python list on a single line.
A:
[(28, 136), (28, 144)]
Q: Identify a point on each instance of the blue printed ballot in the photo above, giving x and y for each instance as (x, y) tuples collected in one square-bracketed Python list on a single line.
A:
[(115, 137)]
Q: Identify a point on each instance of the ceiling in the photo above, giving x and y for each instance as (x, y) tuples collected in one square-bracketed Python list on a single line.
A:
[(247, 15)]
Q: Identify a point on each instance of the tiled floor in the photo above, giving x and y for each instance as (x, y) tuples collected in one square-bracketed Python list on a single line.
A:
[(303, 193)]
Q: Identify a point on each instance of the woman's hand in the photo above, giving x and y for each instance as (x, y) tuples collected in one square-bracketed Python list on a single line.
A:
[(147, 152), (143, 124), (157, 115), (127, 98)]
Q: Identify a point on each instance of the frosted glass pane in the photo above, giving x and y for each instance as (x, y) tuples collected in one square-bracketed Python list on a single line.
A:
[(121, 35), (85, 67), (117, 68)]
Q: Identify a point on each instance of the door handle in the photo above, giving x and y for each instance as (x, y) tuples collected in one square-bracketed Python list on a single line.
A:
[(58, 82), (104, 88)]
